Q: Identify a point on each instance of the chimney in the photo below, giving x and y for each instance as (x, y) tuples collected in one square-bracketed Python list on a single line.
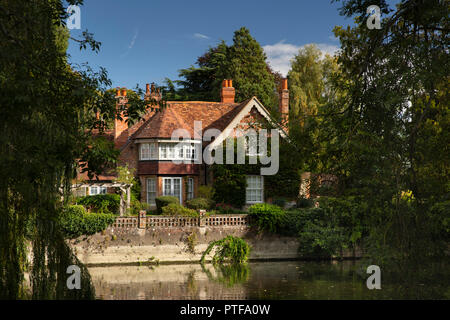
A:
[(284, 101), (151, 92), (120, 126), (227, 92)]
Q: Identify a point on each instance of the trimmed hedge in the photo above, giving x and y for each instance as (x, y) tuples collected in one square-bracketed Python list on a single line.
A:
[(75, 222), (103, 203), (163, 201), (175, 209), (266, 216), (200, 203)]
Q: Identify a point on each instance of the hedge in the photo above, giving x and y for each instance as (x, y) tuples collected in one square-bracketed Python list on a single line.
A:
[(175, 209), (74, 221), (266, 216), (104, 203), (163, 201), (200, 203)]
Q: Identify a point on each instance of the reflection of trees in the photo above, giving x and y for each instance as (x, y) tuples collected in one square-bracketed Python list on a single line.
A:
[(229, 274)]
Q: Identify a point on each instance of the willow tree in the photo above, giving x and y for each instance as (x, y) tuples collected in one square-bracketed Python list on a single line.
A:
[(48, 115)]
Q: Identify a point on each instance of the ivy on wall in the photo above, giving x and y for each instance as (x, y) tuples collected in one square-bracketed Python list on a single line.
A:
[(230, 179)]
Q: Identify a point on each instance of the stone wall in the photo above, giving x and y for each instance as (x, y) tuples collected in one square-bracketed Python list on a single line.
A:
[(176, 243)]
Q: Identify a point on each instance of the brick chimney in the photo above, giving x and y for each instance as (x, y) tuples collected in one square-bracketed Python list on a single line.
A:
[(284, 101), (151, 92), (227, 92), (120, 126)]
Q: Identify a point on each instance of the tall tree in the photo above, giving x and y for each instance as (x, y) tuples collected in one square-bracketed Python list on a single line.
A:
[(388, 135), (309, 80), (244, 61)]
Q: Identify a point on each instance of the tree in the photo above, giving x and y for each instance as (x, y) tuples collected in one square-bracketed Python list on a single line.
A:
[(48, 118), (309, 81), (244, 62), (388, 135)]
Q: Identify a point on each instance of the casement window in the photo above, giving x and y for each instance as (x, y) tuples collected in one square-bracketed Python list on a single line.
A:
[(151, 190), (190, 188), (97, 190), (172, 187), (149, 151), (255, 189), (177, 151)]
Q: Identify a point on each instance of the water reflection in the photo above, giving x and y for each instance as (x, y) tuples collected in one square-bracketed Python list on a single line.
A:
[(257, 280)]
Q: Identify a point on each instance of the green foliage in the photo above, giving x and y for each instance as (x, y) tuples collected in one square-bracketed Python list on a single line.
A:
[(309, 81), (281, 202), (74, 221), (206, 192), (244, 61), (175, 209), (233, 249), (266, 216), (229, 184), (200, 203), (103, 203), (163, 201), (304, 203)]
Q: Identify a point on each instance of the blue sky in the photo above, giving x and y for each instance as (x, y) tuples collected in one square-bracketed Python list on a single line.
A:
[(147, 41)]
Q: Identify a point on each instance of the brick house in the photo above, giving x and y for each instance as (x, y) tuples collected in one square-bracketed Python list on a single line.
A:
[(148, 147)]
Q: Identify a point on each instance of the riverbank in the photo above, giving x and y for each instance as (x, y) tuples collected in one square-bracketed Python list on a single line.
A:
[(178, 245)]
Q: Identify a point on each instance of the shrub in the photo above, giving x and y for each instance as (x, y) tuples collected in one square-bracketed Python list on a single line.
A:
[(223, 208), (136, 206), (175, 209), (104, 203), (96, 222), (75, 222), (200, 203), (304, 203), (206, 192), (164, 201), (233, 249), (281, 202), (266, 216)]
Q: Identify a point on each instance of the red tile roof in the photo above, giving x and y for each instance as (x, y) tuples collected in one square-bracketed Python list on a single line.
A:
[(182, 114)]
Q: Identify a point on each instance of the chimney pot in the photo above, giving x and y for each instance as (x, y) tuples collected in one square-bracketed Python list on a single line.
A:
[(147, 89), (117, 92), (227, 92), (124, 92)]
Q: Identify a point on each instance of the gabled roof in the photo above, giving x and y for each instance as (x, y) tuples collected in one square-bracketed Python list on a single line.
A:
[(182, 114)]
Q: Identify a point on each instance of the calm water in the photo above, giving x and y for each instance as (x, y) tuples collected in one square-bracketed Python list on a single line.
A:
[(259, 280)]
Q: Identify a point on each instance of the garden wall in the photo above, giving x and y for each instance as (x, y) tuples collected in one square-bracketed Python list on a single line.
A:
[(158, 239)]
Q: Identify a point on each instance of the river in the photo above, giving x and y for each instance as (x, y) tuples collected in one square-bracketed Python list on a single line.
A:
[(257, 280)]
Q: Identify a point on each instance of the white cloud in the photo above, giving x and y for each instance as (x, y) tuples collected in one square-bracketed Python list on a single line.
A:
[(280, 54), (131, 45), (134, 39), (200, 36)]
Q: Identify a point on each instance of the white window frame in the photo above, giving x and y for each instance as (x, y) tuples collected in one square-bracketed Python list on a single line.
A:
[(173, 150), (98, 190), (249, 188), (148, 191), (190, 189), (172, 187), (148, 151)]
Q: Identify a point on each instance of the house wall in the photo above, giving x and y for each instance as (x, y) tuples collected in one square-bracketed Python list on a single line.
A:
[(159, 185)]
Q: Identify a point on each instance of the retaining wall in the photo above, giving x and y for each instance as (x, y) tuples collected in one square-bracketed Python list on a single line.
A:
[(159, 239)]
